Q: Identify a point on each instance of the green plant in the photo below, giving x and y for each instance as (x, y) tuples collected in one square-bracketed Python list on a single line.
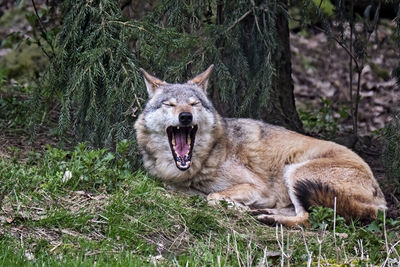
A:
[(94, 74), (391, 153), (14, 113), (321, 216), (323, 120), (325, 6)]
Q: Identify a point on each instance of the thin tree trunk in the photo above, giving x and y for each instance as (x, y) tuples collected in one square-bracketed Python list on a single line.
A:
[(282, 96)]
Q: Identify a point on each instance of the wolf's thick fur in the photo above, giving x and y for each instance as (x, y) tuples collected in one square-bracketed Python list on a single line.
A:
[(274, 171)]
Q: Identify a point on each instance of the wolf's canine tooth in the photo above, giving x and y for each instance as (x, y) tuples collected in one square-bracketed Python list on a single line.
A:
[(175, 141)]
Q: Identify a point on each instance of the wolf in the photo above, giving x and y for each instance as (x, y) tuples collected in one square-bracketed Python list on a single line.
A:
[(275, 173)]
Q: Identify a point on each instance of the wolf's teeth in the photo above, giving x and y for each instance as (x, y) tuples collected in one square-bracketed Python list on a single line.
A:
[(173, 142), (177, 127), (192, 126), (189, 140)]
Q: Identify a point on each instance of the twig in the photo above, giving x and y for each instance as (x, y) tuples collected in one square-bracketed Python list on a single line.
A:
[(392, 248), (38, 18), (384, 232), (238, 20), (264, 261), (309, 260), (341, 44), (227, 248), (355, 114), (287, 249), (320, 241), (360, 244), (248, 254), (359, 70), (281, 244), (236, 249), (351, 66), (320, 4), (55, 247), (44, 32), (334, 229)]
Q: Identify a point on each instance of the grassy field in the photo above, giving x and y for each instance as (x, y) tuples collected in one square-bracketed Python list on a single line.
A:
[(85, 206)]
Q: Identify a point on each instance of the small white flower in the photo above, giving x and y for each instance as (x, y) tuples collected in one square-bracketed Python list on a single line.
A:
[(67, 175), (29, 255)]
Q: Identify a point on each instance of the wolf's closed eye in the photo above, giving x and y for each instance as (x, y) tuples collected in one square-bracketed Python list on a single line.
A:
[(169, 104), (195, 104)]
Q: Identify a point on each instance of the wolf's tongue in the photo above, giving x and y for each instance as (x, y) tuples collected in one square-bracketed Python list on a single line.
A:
[(181, 147)]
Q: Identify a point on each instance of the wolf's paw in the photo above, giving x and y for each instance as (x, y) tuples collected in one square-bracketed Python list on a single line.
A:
[(263, 211), (267, 219), (215, 199), (289, 221)]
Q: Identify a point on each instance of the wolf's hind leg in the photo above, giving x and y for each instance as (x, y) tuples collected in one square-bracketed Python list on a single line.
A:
[(289, 211), (298, 216), (286, 216), (242, 195), (319, 182), (284, 219)]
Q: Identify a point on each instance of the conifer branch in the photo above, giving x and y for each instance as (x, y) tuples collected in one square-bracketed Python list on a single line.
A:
[(43, 30), (238, 20)]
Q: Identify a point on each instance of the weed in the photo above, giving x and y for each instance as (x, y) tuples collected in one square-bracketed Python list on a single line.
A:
[(13, 113), (323, 121), (391, 153)]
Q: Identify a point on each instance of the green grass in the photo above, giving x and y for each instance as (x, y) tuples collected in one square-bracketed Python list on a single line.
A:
[(106, 213)]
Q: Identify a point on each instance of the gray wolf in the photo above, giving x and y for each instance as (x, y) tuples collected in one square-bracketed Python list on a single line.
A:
[(274, 172)]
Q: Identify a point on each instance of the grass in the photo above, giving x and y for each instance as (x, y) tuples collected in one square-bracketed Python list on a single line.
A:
[(103, 212)]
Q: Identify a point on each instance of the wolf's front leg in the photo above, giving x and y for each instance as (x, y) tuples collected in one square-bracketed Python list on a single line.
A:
[(244, 196)]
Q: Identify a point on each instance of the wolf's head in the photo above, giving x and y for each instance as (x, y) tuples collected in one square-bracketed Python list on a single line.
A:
[(177, 115)]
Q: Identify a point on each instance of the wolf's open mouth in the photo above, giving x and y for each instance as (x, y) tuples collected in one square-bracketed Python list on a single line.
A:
[(181, 142)]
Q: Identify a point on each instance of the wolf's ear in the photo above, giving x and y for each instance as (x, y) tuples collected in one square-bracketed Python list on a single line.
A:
[(152, 83), (202, 79)]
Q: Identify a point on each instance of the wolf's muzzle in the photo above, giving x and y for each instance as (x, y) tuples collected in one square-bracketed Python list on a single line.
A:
[(185, 118)]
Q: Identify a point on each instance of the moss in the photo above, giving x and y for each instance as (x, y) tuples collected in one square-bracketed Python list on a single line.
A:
[(13, 17), (326, 7), (381, 73), (24, 62)]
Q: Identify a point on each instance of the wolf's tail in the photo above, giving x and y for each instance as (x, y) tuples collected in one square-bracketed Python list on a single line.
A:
[(314, 193)]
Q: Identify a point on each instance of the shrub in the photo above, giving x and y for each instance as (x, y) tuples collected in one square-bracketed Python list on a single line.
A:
[(391, 152)]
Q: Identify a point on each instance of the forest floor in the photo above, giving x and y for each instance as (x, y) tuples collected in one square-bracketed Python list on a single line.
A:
[(320, 68)]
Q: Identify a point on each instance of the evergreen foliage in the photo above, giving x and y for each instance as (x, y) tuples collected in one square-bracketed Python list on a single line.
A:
[(240, 43), (95, 73), (391, 153)]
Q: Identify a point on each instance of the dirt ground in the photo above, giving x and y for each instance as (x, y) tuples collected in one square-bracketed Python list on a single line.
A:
[(321, 70)]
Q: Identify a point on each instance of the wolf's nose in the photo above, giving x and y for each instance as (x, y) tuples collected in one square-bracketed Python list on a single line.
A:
[(185, 118)]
